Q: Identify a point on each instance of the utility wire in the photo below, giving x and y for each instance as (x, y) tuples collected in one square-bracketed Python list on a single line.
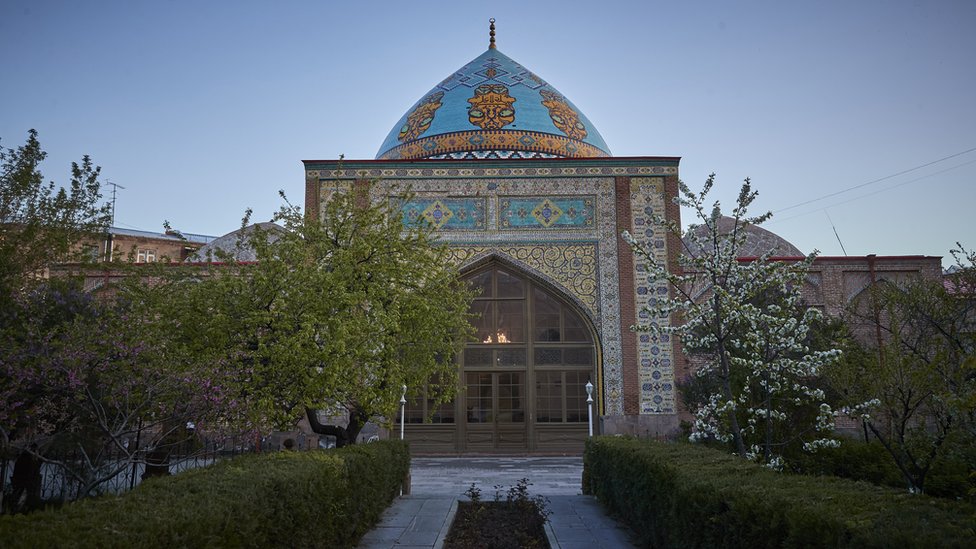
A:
[(775, 220), (880, 179)]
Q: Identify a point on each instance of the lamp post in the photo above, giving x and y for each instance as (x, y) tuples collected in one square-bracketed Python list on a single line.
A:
[(403, 407), (589, 405)]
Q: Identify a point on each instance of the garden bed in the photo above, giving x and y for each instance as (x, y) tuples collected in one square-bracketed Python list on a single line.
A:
[(516, 522)]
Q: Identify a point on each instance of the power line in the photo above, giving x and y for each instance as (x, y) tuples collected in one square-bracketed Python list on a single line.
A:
[(902, 184), (880, 179)]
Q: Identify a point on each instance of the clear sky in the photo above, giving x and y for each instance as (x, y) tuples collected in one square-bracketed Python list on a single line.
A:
[(203, 109)]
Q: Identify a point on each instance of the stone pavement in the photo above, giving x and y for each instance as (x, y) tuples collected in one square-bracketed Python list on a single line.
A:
[(422, 518)]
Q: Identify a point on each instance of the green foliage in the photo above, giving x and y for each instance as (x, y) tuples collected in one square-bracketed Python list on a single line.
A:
[(283, 499), (40, 222), (335, 313), (682, 495), (913, 384), (871, 462)]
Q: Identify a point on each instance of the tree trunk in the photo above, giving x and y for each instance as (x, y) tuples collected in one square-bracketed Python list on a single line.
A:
[(344, 436), (915, 484), (725, 366), (25, 483), (726, 377)]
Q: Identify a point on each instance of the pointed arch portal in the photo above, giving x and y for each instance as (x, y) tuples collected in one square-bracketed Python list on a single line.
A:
[(522, 381)]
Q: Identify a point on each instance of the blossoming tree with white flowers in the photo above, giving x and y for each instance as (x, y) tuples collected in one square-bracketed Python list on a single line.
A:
[(744, 321)]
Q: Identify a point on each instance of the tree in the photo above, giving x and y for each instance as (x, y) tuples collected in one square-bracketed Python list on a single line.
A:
[(913, 383), (745, 320), (334, 314), (41, 222), (87, 380)]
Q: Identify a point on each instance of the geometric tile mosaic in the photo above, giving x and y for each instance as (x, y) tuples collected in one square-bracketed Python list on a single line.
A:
[(327, 176), (655, 366), (540, 212), (446, 213)]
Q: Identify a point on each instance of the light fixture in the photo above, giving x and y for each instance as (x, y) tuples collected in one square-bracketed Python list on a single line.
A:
[(589, 406)]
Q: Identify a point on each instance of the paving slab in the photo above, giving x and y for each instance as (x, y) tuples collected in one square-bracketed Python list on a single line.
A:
[(423, 518)]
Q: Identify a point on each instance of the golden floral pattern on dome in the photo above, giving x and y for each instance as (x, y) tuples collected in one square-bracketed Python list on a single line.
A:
[(418, 121), (563, 116), (491, 107)]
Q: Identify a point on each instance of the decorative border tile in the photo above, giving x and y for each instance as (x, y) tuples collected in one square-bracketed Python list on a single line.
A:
[(501, 139), (655, 368), (463, 171)]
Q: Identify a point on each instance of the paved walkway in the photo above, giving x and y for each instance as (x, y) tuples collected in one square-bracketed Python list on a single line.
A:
[(422, 519)]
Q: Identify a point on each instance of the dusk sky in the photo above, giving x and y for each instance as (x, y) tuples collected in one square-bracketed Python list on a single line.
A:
[(863, 113)]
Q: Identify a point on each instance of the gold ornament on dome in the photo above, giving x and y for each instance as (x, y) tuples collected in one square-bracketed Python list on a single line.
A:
[(491, 107), (419, 120), (563, 116)]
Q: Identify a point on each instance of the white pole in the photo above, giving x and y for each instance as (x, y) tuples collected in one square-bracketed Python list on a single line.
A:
[(403, 407), (589, 405)]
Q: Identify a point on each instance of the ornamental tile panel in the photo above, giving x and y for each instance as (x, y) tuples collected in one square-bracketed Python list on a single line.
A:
[(570, 266), (655, 368), (540, 212), (446, 214)]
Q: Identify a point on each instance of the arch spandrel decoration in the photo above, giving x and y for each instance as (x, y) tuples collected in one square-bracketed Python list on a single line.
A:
[(570, 267)]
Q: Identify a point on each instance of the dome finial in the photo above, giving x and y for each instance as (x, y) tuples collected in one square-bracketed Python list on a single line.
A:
[(491, 33)]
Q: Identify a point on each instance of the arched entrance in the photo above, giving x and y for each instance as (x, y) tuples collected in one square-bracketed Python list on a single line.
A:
[(522, 380)]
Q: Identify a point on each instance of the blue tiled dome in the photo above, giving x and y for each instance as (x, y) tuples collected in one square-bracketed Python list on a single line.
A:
[(493, 107)]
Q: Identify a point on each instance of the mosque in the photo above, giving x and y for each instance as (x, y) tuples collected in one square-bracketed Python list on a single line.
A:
[(522, 187), (524, 190)]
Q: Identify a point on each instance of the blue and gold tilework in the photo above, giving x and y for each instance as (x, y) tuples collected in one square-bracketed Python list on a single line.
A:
[(540, 212), (446, 214), (493, 104)]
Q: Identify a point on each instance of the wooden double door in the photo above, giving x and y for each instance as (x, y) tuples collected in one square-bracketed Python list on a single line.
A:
[(494, 411)]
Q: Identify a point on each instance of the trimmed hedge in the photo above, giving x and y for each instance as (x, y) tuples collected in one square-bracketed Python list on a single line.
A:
[(281, 499), (684, 495)]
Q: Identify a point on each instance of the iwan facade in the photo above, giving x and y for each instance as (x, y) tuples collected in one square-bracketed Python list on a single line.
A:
[(524, 190)]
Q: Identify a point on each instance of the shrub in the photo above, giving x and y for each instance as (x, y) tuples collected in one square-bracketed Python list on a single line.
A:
[(683, 495), (858, 460), (285, 499)]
